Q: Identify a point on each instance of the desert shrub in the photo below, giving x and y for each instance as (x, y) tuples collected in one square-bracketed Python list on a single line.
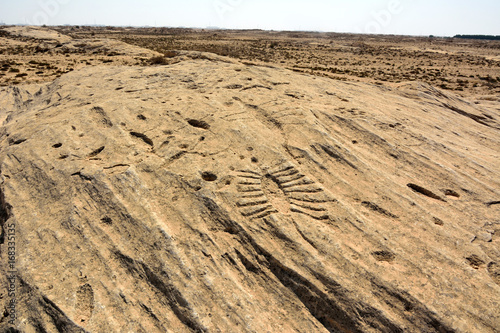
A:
[(159, 60), (162, 60), (170, 54)]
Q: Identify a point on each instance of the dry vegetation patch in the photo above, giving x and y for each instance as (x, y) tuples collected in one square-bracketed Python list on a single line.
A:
[(468, 67)]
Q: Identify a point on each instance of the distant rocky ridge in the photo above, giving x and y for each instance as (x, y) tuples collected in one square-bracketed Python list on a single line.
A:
[(209, 195), (480, 37)]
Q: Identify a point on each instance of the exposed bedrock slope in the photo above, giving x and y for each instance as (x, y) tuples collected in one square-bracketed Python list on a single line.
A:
[(213, 196)]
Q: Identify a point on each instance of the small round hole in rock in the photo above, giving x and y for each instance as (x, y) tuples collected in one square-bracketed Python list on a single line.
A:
[(106, 220), (57, 145), (209, 177), (254, 160), (438, 221)]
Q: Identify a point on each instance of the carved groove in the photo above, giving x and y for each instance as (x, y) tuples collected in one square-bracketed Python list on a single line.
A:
[(292, 192), (257, 211)]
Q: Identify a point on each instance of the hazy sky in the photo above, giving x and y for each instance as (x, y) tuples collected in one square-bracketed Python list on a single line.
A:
[(410, 17)]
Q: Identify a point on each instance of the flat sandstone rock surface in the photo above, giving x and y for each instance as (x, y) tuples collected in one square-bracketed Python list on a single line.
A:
[(207, 195)]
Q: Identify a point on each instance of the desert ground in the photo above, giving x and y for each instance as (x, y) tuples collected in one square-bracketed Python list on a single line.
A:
[(467, 67), (188, 180)]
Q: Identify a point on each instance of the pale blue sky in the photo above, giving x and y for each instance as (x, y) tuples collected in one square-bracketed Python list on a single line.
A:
[(410, 17)]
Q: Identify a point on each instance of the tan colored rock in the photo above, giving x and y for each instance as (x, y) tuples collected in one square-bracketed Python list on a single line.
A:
[(213, 196), (38, 33)]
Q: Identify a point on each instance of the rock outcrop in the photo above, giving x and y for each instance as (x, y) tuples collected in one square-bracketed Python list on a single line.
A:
[(213, 196)]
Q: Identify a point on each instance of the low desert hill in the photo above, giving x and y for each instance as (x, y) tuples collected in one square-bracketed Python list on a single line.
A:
[(209, 195)]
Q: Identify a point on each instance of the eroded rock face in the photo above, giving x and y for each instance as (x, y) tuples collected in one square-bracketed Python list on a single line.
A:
[(217, 197)]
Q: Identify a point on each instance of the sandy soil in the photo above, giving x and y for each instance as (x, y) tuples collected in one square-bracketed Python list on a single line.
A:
[(467, 67)]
